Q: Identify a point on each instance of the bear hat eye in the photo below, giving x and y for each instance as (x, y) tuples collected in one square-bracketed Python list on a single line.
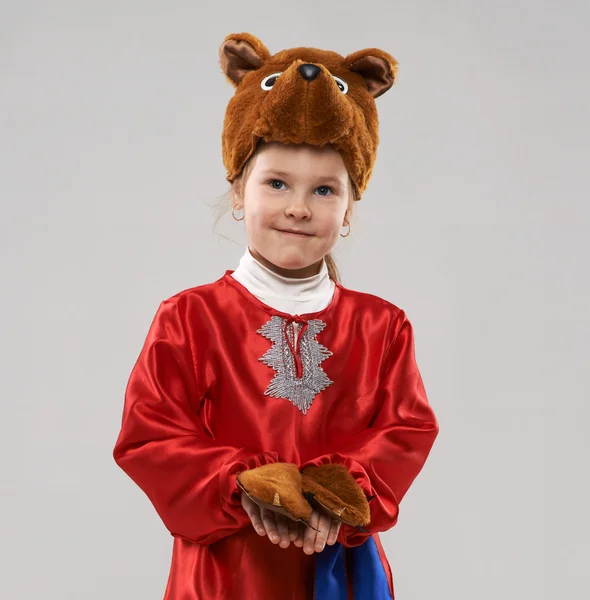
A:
[(269, 81), (341, 84)]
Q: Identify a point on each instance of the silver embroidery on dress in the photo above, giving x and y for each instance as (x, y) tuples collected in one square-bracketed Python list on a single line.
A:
[(299, 390)]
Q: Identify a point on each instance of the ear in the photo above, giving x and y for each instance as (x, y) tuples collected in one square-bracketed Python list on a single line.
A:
[(241, 53), (236, 200), (377, 67), (346, 220)]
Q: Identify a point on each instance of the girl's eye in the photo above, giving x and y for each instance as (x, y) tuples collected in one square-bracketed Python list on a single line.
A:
[(273, 181), (277, 183), (325, 187)]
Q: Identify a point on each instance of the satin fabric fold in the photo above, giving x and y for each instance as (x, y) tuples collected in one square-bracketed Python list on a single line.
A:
[(196, 414)]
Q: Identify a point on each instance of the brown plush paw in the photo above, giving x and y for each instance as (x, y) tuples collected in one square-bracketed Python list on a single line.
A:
[(335, 490), (276, 486)]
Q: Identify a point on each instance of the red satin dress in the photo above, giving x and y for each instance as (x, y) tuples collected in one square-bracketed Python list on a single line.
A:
[(221, 386)]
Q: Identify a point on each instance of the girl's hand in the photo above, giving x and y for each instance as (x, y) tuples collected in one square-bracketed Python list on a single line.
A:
[(315, 541), (280, 529)]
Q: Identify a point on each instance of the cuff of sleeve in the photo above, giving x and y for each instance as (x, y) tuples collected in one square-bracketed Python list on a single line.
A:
[(242, 460)]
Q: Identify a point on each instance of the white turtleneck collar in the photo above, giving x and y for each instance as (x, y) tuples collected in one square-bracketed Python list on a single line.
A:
[(286, 294)]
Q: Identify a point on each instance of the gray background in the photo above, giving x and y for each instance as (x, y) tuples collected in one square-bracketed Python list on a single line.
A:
[(476, 222)]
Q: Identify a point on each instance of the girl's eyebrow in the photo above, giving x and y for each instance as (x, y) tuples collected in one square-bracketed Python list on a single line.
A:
[(324, 178)]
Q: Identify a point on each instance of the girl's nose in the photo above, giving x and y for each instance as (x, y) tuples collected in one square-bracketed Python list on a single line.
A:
[(298, 210), (297, 206)]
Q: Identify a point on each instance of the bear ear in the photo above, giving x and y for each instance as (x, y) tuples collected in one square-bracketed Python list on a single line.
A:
[(377, 67), (241, 53)]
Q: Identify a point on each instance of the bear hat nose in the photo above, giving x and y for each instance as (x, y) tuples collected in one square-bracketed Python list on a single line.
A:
[(309, 72)]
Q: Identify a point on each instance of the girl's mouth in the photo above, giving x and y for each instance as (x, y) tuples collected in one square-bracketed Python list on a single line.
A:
[(294, 233)]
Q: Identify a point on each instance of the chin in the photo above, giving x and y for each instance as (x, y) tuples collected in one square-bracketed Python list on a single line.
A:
[(291, 263), (291, 259)]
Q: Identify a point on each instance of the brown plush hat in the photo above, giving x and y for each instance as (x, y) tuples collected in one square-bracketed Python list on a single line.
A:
[(304, 95)]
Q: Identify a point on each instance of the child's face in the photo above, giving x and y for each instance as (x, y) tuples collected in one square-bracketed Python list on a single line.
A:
[(295, 188)]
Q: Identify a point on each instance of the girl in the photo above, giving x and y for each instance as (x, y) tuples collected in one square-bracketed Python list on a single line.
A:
[(276, 363)]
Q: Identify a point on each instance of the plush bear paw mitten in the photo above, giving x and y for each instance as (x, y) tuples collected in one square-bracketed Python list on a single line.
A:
[(335, 491), (276, 486)]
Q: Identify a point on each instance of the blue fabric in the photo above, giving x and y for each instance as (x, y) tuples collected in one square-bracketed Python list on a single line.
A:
[(369, 577), (330, 574)]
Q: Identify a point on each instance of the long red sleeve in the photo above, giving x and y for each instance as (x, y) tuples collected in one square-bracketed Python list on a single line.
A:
[(164, 448), (386, 457)]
